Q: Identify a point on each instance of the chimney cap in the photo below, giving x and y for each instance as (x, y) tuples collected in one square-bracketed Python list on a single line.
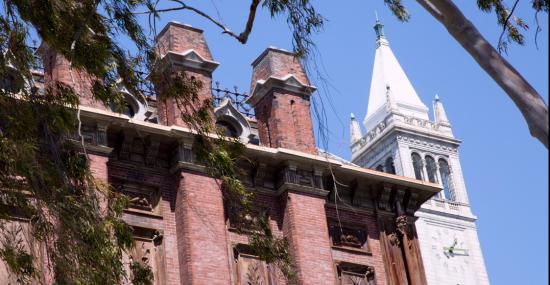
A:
[(273, 49), (179, 25)]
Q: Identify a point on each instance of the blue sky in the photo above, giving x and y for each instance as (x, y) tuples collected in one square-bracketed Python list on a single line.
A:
[(506, 170)]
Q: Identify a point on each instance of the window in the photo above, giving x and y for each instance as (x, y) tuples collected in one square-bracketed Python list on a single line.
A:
[(10, 83), (148, 252), (128, 111), (431, 169), (350, 237), (124, 108), (227, 129), (249, 269), (417, 165), (143, 199), (380, 168), (446, 180), (390, 167), (6, 83), (355, 274)]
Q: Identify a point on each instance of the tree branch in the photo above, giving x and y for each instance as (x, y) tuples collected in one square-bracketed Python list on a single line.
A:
[(526, 98), (431, 9), (242, 37)]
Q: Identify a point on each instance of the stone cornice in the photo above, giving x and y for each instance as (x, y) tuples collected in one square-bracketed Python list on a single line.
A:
[(433, 214), (288, 83), (274, 156), (373, 138), (191, 59), (177, 24), (267, 50), (312, 191), (93, 149)]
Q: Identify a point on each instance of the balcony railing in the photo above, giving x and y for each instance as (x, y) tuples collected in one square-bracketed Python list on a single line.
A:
[(452, 206)]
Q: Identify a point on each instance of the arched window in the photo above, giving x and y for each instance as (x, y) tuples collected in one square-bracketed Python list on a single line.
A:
[(380, 168), (446, 179), (227, 129), (123, 108), (390, 167), (431, 169), (417, 165)]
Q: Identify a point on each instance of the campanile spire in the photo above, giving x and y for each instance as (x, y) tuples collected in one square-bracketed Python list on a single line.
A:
[(387, 74)]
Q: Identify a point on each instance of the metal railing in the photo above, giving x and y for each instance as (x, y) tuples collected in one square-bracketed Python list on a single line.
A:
[(237, 98)]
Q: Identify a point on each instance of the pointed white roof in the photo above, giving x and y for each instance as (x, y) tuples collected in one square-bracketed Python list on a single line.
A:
[(387, 72)]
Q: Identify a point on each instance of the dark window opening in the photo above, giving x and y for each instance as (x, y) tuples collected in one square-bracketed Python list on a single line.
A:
[(390, 167), (125, 109), (417, 165), (431, 169), (227, 129), (446, 179), (355, 274)]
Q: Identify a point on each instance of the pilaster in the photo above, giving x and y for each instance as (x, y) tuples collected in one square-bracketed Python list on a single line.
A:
[(201, 230), (305, 224)]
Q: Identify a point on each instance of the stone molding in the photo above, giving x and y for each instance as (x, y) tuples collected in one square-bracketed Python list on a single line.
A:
[(287, 83), (190, 59)]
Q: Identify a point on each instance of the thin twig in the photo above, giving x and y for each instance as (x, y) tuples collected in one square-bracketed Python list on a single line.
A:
[(505, 25), (242, 37), (538, 30)]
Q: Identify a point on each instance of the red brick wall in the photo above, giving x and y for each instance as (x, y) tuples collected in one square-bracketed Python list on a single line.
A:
[(170, 113), (367, 222), (276, 63), (284, 120), (305, 225), (99, 170), (57, 69), (180, 38), (98, 166), (202, 235), (121, 171)]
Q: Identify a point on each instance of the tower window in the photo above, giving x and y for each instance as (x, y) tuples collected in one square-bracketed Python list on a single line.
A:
[(390, 167), (431, 169), (446, 179), (417, 165)]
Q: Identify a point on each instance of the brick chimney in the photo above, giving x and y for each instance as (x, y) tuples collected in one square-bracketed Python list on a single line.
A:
[(280, 95), (57, 69), (183, 48)]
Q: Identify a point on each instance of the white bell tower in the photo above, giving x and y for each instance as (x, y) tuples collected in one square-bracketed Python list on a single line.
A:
[(401, 139)]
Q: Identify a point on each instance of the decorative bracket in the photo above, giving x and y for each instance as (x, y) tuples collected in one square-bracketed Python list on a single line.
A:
[(260, 174), (412, 204), (152, 152), (384, 200)]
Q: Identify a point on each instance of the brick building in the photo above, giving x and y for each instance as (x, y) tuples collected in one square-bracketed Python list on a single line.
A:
[(180, 222)]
